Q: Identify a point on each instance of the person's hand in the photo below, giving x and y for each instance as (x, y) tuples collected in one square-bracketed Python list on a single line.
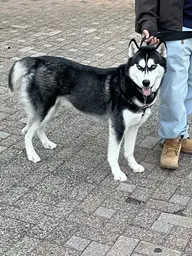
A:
[(150, 39)]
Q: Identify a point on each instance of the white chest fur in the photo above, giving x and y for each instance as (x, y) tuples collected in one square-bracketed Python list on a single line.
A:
[(135, 119)]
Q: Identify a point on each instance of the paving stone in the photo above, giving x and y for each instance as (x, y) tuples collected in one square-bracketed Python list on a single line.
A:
[(179, 199), (104, 212), (152, 249), (53, 184), (164, 206), (46, 249), (147, 235), (7, 155), (184, 188), (23, 247), (178, 238), (78, 243), (188, 249), (147, 166), (115, 200), (149, 142), (2, 148), (163, 227), (63, 232), (126, 187), (81, 191), (136, 254), (92, 201), (121, 219), (95, 249), (81, 217), (10, 140), (100, 235), (158, 174), (35, 177), (11, 232), (99, 174), (146, 217), (44, 227), (142, 194), (164, 192), (124, 246), (176, 220), (13, 195), (4, 135), (62, 208), (188, 210)]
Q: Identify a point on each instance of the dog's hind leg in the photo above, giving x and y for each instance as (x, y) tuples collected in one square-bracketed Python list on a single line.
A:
[(113, 154), (41, 131), (29, 122), (44, 140), (31, 154), (129, 146), (25, 129)]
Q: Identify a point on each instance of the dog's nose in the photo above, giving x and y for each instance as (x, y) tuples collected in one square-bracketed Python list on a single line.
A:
[(146, 83)]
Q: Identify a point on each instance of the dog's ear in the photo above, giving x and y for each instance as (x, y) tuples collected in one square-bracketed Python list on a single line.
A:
[(162, 49), (132, 48)]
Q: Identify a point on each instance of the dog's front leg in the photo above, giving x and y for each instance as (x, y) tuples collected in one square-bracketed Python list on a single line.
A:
[(129, 146), (113, 154)]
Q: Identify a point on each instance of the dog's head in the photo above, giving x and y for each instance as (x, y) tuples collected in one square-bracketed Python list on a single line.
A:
[(146, 66)]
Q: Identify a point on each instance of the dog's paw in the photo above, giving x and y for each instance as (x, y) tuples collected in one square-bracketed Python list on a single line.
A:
[(49, 145), (120, 176), (138, 168), (34, 158)]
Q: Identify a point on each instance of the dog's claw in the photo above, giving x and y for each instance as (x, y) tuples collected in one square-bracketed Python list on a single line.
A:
[(120, 176)]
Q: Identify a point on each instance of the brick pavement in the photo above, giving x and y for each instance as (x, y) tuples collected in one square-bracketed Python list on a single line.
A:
[(69, 204)]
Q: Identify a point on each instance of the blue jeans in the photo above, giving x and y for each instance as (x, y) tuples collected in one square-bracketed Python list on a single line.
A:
[(176, 90)]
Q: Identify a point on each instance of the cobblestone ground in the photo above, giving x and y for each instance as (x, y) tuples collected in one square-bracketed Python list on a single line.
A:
[(69, 204)]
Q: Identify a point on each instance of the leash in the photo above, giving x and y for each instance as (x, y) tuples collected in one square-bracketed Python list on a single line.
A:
[(173, 35), (170, 36)]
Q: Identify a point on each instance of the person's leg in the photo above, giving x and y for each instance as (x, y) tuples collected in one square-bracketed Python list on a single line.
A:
[(188, 100), (174, 99), (186, 146), (174, 89)]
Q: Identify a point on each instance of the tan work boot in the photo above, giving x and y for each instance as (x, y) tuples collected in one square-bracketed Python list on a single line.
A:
[(170, 154), (186, 146)]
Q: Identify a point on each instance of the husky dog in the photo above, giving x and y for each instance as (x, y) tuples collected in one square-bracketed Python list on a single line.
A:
[(122, 95)]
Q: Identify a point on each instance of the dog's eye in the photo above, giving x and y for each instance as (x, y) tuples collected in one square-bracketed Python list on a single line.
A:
[(153, 66), (139, 67)]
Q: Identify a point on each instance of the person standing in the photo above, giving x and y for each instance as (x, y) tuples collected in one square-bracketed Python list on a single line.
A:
[(154, 16)]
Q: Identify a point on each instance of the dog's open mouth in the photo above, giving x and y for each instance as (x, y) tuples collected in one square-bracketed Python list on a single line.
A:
[(146, 91)]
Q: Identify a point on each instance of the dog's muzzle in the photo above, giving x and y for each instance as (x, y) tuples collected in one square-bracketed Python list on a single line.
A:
[(146, 89)]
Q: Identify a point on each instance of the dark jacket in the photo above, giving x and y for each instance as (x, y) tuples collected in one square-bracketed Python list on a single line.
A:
[(158, 15)]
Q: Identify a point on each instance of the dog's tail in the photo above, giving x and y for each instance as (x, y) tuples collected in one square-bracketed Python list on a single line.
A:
[(17, 72)]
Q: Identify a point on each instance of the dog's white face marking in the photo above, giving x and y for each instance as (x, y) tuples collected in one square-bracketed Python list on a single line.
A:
[(147, 70), (142, 63)]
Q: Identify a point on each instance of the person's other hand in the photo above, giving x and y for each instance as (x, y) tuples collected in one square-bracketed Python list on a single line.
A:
[(150, 39)]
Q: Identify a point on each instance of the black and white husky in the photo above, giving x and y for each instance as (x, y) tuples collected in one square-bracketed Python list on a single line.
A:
[(122, 95)]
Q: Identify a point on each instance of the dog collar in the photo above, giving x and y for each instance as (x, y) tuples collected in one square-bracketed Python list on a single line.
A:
[(142, 105)]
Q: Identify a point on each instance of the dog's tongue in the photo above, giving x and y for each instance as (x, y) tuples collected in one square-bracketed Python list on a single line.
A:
[(146, 91)]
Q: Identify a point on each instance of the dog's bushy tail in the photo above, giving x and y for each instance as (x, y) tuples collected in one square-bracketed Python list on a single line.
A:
[(17, 72)]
